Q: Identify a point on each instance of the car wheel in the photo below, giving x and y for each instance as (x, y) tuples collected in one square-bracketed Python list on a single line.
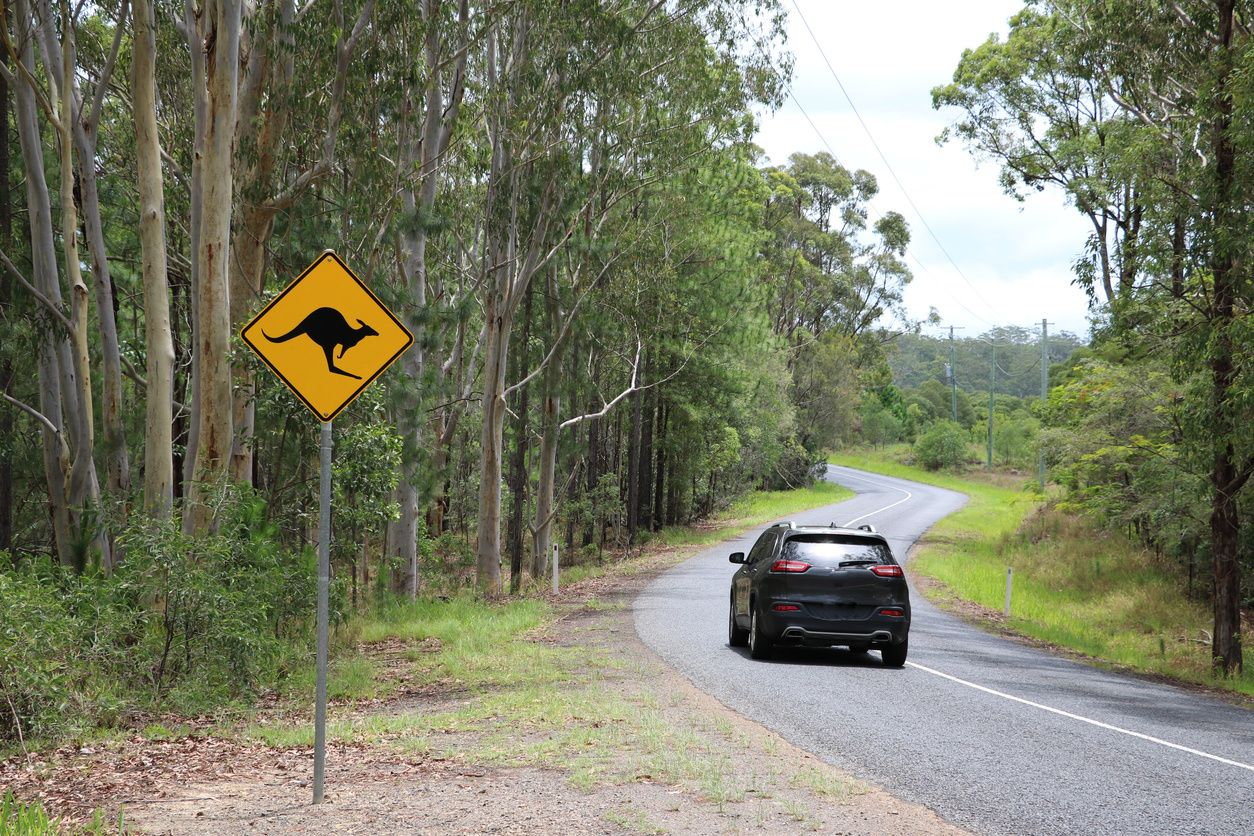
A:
[(894, 655), (759, 645), (737, 636)]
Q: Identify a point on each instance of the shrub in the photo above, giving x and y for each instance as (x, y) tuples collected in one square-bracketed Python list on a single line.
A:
[(942, 444), (37, 658), (182, 622)]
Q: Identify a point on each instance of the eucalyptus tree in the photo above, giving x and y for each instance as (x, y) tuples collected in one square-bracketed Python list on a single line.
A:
[(1139, 110), (158, 340), (1037, 104), (833, 283), (65, 394)]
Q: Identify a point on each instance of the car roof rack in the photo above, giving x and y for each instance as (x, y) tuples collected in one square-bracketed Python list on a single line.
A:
[(784, 524), (870, 529)]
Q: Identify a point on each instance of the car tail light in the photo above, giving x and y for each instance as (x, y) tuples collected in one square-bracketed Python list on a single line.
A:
[(888, 570), (795, 567), (894, 613), (786, 608)]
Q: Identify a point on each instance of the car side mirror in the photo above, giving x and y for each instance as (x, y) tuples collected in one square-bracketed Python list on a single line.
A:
[(737, 557)]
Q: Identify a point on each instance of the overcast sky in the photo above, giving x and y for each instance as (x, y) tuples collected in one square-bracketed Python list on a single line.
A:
[(1017, 256)]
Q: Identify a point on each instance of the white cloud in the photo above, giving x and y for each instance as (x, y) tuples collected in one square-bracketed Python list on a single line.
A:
[(1018, 256)]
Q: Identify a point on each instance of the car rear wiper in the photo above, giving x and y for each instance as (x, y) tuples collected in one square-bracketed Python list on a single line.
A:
[(845, 563)]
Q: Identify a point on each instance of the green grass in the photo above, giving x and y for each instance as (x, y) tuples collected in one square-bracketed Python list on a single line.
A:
[(30, 819), (1075, 586), (501, 694)]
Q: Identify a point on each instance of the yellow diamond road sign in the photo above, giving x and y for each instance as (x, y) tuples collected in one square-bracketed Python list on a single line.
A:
[(327, 336)]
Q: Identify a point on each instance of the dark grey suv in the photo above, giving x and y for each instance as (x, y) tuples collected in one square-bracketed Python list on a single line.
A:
[(820, 587)]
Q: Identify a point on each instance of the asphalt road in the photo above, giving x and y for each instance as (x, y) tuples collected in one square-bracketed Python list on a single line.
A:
[(994, 736)]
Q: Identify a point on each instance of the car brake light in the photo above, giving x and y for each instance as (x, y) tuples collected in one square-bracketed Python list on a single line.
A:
[(893, 613), (786, 608), (790, 566), (888, 570)]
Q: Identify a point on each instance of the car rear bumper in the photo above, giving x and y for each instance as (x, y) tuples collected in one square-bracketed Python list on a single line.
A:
[(826, 638), (798, 629)]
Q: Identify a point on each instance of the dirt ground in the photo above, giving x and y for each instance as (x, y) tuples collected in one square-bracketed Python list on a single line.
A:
[(747, 779)]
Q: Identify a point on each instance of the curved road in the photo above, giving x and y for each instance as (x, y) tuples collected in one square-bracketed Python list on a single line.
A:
[(994, 736)]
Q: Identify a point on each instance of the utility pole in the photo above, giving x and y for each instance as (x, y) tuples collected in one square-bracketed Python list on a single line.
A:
[(953, 378), (1044, 393), (992, 382)]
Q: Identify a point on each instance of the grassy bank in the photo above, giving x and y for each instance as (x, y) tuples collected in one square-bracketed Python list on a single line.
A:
[(1075, 586), (462, 644)]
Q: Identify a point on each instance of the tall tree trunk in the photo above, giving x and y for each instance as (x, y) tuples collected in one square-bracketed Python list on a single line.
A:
[(489, 528), (1227, 479), (542, 529), (6, 298), (659, 500), (159, 345), (633, 468), (54, 348), (84, 486), (218, 30), (518, 465), (424, 139), (646, 459)]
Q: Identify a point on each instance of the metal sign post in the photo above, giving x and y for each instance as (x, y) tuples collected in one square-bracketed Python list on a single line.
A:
[(324, 583), (555, 568)]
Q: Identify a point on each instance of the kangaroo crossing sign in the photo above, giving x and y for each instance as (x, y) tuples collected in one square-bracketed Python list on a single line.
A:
[(327, 336)]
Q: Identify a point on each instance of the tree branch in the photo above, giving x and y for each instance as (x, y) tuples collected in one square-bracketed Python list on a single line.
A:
[(56, 312)]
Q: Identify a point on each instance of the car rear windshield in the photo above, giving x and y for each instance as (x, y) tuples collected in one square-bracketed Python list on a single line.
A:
[(835, 548)]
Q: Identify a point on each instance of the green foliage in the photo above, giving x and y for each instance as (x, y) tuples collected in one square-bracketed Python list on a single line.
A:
[(184, 622), (943, 444)]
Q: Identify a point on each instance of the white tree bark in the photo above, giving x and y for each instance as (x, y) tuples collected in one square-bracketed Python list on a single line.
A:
[(54, 349), (217, 32), (423, 149), (158, 443)]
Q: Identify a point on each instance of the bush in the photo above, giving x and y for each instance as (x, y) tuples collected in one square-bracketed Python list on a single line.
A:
[(182, 623), (38, 661), (942, 444)]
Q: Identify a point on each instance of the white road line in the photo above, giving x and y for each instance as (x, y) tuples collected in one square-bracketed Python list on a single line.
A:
[(1091, 722), (880, 485)]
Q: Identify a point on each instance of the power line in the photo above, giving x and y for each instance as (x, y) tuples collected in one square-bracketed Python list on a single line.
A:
[(888, 165), (836, 157)]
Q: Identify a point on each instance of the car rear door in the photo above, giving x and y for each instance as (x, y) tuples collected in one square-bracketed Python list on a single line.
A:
[(839, 577), (762, 550)]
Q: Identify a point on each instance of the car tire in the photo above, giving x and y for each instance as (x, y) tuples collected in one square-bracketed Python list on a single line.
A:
[(737, 636), (894, 655), (760, 646)]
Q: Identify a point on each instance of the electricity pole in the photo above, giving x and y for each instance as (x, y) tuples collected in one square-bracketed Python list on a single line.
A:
[(953, 377), (1044, 393), (992, 382)]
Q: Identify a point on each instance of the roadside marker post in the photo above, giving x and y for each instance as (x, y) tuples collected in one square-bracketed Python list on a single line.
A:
[(1010, 574), (297, 335), (555, 568)]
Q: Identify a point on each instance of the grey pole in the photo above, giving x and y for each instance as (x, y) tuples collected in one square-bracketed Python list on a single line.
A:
[(953, 376), (555, 568), (1010, 575), (1044, 391), (992, 383), (324, 580)]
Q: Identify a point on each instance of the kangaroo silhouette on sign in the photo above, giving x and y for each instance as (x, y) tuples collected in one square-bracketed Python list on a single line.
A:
[(328, 328)]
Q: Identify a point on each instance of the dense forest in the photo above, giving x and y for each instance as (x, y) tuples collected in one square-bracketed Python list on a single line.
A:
[(624, 317), (1139, 113)]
